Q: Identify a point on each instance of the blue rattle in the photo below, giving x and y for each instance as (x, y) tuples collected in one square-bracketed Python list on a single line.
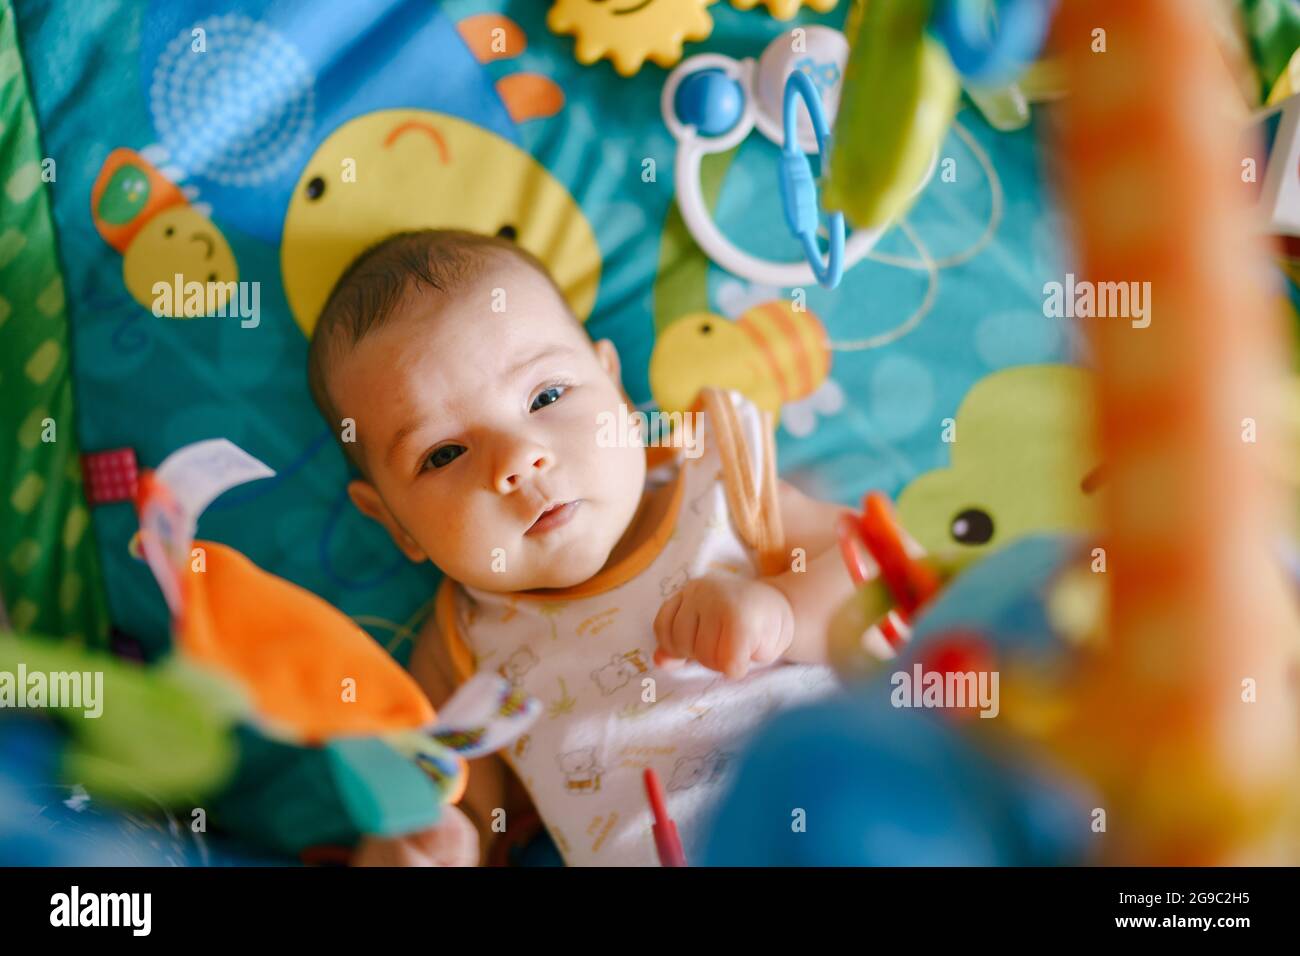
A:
[(711, 103)]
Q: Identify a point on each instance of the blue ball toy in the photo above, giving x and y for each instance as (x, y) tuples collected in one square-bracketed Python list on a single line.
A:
[(710, 101)]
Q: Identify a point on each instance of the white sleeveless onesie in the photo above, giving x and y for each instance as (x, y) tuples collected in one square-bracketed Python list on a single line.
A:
[(608, 712)]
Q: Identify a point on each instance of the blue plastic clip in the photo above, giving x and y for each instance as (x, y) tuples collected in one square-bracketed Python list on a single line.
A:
[(799, 188)]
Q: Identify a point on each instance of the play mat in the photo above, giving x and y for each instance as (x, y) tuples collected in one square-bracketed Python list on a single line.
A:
[(289, 89), (265, 144)]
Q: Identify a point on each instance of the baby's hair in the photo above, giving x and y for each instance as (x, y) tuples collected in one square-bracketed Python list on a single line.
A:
[(372, 287)]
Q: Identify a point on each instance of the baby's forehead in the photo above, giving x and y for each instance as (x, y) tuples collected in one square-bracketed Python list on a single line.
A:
[(504, 287), (486, 328), (489, 320)]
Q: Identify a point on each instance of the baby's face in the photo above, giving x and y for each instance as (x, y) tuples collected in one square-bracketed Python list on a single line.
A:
[(477, 415)]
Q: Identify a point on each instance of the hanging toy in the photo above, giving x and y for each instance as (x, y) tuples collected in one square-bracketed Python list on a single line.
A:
[(1197, 603), (901, 91), (888, 128), (893, 583), (900, 95), (711, 103), (629, 32)]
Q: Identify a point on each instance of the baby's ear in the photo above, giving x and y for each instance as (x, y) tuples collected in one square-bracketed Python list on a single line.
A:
[(366, 497), (607, 355)]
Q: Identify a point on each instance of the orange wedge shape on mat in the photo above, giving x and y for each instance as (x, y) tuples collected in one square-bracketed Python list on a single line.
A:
[(294, 653)]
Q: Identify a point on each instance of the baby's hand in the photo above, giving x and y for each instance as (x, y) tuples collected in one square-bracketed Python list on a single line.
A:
[(452, 841), (725, 623)]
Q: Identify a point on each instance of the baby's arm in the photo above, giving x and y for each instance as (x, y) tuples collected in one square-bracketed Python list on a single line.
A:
[(727, 623), (818, 591)]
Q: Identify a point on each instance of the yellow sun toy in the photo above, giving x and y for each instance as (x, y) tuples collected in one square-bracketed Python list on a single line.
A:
[(785, 9), (629, 32)]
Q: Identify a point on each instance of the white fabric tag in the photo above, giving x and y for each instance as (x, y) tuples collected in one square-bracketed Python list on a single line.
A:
[(484, 715), (192, 477)]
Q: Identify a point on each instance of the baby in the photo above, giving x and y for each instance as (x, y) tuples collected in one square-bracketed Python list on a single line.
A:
[(659, 613)]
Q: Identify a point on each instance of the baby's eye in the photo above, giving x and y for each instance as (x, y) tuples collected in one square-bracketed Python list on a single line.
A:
[(547, 397), (444, 456)]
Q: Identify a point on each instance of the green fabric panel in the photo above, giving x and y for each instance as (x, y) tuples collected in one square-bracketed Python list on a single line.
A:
[(159, 735), (49, 569), (1273, 27), (289, 798)]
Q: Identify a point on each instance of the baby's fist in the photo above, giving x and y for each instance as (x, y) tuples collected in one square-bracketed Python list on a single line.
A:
[(724, 623), (452, 841)]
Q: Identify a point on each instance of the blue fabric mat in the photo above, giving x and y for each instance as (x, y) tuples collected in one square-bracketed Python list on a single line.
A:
[(240, 127)]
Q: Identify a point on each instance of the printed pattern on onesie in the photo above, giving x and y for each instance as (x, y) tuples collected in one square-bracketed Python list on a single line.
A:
[(609, 713)]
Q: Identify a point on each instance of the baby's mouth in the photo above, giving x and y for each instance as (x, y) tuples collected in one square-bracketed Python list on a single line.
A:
[(554, 516)]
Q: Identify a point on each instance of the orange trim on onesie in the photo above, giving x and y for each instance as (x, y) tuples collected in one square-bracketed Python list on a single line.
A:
[(444, 610)]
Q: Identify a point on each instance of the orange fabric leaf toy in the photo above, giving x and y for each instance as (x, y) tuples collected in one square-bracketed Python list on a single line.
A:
[(310, 672)]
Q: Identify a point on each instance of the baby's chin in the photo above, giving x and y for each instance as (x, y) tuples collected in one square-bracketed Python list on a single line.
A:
[(564, 574), (555, 569)]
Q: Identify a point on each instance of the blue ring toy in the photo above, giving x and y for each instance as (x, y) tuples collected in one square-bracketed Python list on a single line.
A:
[(986, 56), (799, 189)]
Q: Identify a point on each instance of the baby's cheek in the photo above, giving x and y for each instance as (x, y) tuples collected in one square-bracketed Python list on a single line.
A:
[(629, 472), (481, 547), (457, 535)]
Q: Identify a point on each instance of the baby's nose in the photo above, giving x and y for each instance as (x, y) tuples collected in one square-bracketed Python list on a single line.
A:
[(520, 465)]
